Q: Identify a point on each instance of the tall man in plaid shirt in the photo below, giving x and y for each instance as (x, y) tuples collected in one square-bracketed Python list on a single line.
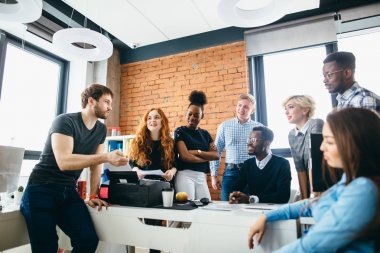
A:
[(339, 77), (232, 136)]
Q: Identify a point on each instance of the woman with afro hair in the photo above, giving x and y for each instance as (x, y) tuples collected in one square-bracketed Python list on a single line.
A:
[(195, 148)]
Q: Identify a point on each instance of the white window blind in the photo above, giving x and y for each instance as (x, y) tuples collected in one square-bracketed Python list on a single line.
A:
[(291, 35)]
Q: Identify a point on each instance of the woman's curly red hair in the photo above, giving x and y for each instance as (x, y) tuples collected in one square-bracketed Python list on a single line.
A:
[(141, 145)]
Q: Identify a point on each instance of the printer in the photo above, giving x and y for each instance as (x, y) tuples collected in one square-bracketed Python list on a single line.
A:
[(126, 189)]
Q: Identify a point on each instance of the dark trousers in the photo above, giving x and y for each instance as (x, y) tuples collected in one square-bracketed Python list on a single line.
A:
[(47, 205)]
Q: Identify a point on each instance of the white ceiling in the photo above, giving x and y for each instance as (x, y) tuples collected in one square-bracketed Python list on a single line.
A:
[(144, 22)]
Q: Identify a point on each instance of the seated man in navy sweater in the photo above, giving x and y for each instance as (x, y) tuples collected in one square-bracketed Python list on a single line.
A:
[(266, 176)]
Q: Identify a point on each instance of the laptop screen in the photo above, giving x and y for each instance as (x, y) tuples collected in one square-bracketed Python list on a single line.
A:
[(123, 176), (321, 180), (10, 166)]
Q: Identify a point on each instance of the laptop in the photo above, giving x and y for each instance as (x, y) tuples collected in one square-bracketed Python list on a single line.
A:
[(10, 166), (123, 177), (321, 179)]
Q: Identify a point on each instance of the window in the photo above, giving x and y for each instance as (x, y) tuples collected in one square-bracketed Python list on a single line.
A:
[(295, 72), (33, 91), (366, 48), (28, 95)]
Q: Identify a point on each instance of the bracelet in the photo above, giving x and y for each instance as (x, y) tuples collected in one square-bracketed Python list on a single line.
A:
[(93, 196)]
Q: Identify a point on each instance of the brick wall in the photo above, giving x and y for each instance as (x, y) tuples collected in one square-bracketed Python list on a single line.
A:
[(166, 82)]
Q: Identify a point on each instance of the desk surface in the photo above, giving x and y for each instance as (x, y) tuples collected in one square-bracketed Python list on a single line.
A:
[(13, 232), (209, 231)]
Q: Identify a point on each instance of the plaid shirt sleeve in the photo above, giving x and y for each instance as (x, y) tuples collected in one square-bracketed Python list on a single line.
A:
[(220, 144)]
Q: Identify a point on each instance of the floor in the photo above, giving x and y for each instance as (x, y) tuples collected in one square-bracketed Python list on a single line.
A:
[(26, 249)]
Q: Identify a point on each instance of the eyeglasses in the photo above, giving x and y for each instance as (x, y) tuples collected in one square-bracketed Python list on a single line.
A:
[(252, 140), (330, 75)]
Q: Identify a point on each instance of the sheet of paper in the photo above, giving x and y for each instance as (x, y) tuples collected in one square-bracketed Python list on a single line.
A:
[(152, 172), (222, 206), (261, 206)]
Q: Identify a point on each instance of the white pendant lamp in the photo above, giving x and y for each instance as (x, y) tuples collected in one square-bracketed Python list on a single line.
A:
[(64, 39), (253, 13), (21, 11)]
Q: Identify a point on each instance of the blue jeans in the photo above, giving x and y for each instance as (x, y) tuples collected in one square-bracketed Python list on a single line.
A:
[(230, 178), (47, 205)]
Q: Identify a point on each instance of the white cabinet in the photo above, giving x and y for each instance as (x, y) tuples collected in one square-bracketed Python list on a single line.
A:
[(121, 142)]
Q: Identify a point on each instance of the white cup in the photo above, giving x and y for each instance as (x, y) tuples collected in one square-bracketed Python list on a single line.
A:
[(17, 197), (167, 197)]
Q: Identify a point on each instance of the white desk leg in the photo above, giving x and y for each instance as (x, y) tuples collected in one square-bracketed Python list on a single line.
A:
[(130, 249)]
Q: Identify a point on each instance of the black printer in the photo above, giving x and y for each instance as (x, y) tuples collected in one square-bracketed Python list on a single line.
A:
[(126, 189)]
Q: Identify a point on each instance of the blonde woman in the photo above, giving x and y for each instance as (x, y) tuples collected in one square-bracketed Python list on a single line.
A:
[(299, 110)]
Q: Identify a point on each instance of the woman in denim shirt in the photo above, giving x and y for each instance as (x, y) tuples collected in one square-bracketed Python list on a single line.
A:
[(347, 217)]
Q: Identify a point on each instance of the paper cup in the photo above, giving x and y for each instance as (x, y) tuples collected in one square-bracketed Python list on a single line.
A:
[(167, 197), (17, 198)]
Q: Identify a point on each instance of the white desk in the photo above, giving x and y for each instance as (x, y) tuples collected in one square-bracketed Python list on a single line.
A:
[(13, 232), (210, 230)]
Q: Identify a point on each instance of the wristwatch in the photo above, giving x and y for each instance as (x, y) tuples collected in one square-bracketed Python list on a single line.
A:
[(253, 199), (199, 151)]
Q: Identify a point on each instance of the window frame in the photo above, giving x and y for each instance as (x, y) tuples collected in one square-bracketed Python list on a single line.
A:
[(63, 84), (257, 88)]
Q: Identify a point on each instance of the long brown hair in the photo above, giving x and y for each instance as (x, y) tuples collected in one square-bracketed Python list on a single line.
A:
[(357, 136), (141, 145)]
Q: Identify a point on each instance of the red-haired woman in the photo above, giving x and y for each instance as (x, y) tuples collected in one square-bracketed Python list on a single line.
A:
[(153, 149), (153, 146)]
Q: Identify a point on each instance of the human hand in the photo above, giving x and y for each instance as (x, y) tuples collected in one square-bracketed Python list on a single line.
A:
[(213, 147), (238, 197), (257, 228), (139, 174), (215, 182), (117, 158), (169, 174), (98, 202)]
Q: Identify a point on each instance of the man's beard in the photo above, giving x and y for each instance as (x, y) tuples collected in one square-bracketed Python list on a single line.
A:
[(99, 114)]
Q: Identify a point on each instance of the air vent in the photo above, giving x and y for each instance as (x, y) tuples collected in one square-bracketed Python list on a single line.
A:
[(43, 28)]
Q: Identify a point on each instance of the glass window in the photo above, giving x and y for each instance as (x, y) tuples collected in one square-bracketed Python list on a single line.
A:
[(28, 98), (295, 72), (32, 92), (366, 48)]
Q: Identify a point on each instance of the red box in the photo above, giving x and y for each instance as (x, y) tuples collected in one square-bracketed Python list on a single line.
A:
[(81, 188)]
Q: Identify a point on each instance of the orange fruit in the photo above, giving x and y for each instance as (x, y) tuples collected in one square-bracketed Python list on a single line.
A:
[(181, 197)]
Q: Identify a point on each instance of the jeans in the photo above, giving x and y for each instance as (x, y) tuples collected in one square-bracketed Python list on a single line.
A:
[(230, 178), (47, 205)]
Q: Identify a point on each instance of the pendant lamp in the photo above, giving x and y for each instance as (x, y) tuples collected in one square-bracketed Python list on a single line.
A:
[(64, 40), (20, 11), (251, 13)]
